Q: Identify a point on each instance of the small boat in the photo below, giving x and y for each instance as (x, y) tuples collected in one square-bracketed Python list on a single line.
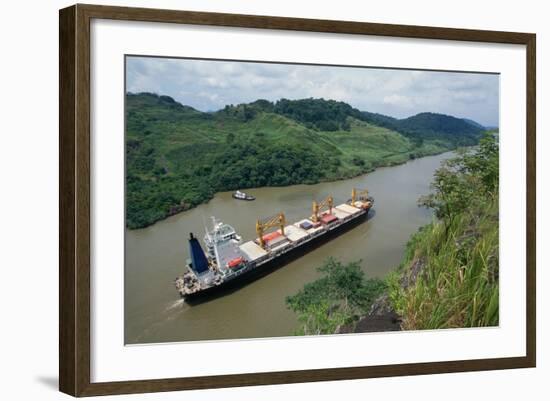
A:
[(242, 196)]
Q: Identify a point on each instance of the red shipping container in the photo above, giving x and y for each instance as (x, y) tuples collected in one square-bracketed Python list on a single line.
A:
[(328, 218)]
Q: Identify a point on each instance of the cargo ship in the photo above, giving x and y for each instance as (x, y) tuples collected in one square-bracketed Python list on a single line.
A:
[(228, 263)]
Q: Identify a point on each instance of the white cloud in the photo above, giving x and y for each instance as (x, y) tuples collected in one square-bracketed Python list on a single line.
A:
[(398, 100), (210, 85)]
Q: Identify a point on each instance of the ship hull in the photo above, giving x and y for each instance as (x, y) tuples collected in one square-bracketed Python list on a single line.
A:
[(264, 269), (247, 198)]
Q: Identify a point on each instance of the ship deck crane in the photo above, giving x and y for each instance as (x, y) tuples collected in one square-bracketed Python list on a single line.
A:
[(328, 202), (359, 195), (264, 224)]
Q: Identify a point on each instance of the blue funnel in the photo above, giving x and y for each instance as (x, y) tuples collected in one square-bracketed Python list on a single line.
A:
[(199, 263)]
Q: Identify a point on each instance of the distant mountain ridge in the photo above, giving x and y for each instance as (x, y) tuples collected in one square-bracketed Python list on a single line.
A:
[(331, 115), (178, 157), (474, 123), (429, 125)]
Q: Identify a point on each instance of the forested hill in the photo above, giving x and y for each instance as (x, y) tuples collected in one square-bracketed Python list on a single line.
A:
[(431, 126), (178, 157), (330, 115)]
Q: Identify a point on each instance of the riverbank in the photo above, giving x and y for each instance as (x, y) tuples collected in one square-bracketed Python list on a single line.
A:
[(354, 172), (448, 279), (178, 158), (449, 276)]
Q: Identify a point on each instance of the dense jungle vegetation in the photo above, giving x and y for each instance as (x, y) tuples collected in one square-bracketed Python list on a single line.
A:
[(178, 157)]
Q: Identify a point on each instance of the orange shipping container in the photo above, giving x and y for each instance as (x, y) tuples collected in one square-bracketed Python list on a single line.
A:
[(271, 236)]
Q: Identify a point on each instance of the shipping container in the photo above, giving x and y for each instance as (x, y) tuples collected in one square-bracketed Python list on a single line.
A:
[(271, 236), (328, 218)]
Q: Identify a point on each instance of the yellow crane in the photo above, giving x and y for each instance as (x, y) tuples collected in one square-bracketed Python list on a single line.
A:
[(264, 224), (317, 206), (359, 195)]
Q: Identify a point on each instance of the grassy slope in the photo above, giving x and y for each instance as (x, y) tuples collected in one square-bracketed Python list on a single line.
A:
[(457, 284), (178, 157), (449, 276)]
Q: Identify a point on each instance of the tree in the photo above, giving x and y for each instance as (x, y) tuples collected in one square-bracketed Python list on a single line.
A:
[(465, 180), (336, 298)]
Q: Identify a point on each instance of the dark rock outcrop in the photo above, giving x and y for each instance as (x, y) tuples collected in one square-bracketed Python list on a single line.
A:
[(412, 273), (381, 317)]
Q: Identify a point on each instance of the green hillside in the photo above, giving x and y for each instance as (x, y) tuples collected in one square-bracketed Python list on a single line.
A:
[(431, 126), (449, 276), (178, 157)]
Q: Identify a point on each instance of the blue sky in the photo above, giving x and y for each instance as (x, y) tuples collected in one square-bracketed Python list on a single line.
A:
[(210, 85)]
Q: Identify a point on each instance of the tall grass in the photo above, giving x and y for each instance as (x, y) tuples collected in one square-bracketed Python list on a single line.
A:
[(457, 283)]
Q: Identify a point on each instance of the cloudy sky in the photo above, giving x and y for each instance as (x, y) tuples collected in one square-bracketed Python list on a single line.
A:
[(210, 85)]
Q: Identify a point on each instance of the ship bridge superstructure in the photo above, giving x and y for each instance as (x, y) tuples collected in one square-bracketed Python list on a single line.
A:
[(222, 245)]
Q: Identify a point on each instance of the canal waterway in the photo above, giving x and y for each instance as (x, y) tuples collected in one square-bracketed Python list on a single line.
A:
[(156, 255)]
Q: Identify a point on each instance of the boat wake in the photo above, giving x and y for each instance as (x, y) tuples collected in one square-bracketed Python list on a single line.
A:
[(171, 311), (173, 305)]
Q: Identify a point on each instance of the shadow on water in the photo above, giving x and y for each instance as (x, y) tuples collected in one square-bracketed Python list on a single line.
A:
[(371, 214)]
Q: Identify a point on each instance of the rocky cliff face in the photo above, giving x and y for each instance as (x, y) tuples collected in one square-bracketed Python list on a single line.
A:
[(382, 316)]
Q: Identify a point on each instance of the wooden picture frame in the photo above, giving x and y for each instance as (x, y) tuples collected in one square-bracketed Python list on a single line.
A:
[(74, 199)]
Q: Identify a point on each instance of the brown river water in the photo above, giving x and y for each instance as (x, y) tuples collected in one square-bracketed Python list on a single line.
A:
[(156, 255)]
